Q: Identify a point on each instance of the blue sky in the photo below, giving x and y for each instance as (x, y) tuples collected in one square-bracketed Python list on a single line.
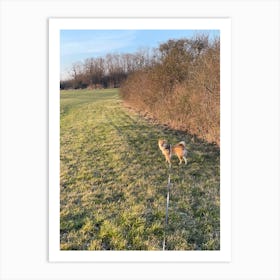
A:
[(78, 45)]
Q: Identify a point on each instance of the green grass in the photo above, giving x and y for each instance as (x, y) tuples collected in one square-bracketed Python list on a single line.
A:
[(113, 181)]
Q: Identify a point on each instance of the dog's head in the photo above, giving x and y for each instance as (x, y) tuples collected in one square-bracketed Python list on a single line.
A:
[(164, 146), (162, 142)]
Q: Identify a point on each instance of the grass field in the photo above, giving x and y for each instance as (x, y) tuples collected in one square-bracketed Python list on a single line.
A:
[(113, 181)]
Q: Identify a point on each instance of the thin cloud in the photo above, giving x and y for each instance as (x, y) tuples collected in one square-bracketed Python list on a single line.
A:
[(98, 43)]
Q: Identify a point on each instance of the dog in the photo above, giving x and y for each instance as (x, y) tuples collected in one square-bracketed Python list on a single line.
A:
[(179, 150)]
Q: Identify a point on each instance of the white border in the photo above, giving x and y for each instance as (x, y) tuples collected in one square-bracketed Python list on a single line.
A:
[(223, 255), (24, 139)]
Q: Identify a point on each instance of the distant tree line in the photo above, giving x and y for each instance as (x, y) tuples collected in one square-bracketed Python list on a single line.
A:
[(109, 71)]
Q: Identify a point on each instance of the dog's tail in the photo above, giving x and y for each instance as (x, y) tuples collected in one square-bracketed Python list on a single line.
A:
[(183, 144)]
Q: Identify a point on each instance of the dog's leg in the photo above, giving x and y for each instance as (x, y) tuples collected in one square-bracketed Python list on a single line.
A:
[(185, 159), (180, 159), (169, 162), (168, 159)]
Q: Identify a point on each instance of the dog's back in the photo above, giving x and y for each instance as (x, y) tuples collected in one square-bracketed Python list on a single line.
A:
[(180, 151)]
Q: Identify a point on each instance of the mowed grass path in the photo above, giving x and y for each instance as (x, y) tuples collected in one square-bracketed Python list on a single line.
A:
[(113, 181)]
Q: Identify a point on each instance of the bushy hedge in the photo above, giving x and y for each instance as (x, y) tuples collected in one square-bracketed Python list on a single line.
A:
[(182, 86)]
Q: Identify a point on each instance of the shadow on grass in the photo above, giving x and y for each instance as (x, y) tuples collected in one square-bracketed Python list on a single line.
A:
[(195, 193)]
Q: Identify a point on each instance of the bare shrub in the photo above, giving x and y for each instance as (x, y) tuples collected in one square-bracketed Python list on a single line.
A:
[(183, 88)]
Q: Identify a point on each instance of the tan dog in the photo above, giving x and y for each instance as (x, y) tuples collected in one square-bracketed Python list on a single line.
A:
[(179, 150)]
